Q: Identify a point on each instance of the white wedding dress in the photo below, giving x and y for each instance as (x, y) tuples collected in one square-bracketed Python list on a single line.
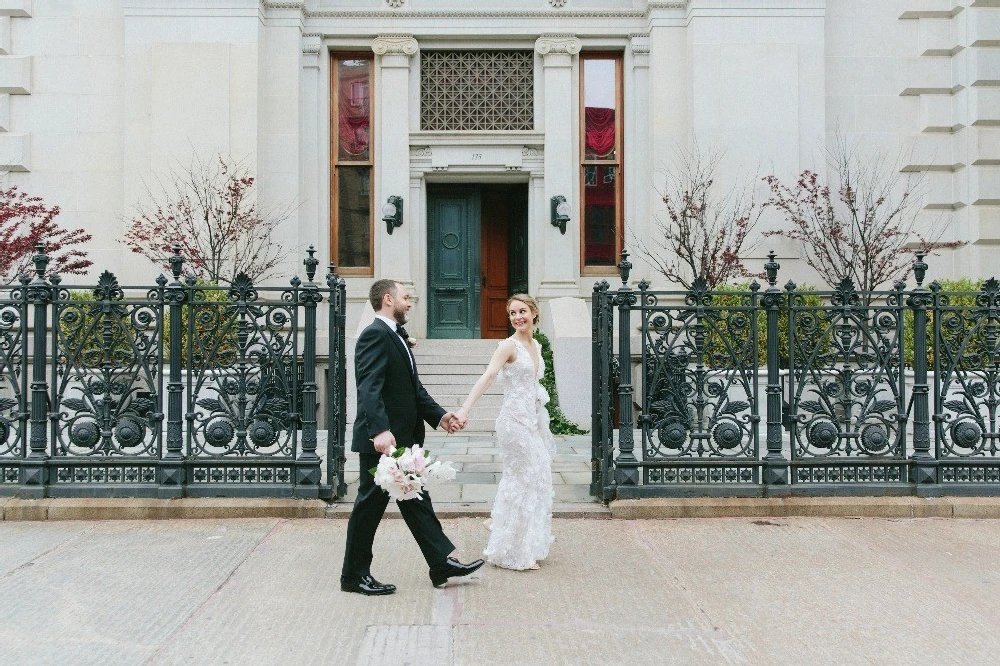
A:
[(522, 513)]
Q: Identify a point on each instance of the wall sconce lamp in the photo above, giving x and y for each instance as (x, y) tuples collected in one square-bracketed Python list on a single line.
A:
[(392, 213), (560, 212)]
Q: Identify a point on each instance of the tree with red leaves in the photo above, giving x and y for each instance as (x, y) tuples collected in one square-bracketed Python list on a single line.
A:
[(862, 226), (704, 234), (25, 221), (211, 211)]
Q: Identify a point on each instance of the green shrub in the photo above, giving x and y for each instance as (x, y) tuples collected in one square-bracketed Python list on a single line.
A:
[(738, 295), (81, 329), (211, 322), (558, 423), (971, 287)]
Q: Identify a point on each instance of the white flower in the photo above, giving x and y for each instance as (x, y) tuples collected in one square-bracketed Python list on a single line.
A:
[(404, 476), (441, 471)]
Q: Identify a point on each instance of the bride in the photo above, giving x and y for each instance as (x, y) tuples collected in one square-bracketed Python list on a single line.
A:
[(522, 513)]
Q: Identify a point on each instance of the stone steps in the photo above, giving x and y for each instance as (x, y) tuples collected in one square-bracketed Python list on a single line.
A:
[(450, 368)]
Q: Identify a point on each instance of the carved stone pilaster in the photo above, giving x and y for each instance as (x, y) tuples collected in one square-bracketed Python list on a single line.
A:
[(394, 45), (563, 44), (639, 47), (312, 43)]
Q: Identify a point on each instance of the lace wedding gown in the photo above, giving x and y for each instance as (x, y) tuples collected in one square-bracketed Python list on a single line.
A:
[(522, 513)]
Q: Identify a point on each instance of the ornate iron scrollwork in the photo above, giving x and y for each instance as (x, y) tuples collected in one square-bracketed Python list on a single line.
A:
[(108, 359), (967, 360), (846, 377), (700, 391)]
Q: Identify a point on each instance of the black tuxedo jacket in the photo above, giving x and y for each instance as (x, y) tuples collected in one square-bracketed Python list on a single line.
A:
[(390, 395)]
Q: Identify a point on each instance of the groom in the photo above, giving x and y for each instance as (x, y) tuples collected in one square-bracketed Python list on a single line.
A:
[(392, 405)]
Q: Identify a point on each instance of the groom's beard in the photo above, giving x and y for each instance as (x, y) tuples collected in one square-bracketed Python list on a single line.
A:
[(400, 317)]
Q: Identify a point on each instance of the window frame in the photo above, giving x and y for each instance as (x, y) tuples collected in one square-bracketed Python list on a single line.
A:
[(617, 163), (336, 163)]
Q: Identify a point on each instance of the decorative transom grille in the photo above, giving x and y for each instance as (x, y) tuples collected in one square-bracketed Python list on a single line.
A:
[(477, 90)]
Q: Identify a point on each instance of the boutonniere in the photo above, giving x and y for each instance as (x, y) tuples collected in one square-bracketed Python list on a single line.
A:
[(411, 342)]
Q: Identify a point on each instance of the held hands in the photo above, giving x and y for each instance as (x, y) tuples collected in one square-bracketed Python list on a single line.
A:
[(451, 423), (462, 417)]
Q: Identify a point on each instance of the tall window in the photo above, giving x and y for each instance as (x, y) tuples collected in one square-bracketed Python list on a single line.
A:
[(351, 149), (601, 161)]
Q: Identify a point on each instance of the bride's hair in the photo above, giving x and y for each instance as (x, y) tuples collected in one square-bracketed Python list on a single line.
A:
[(527, 300)]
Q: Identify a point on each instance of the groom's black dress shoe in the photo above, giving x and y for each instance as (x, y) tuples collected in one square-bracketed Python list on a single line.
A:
[(452, 568), (365, 585)]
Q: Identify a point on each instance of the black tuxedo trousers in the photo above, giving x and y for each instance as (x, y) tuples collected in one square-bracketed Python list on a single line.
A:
[(390, 397)]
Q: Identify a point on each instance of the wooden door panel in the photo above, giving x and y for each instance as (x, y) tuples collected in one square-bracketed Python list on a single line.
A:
[(494, 255), (453, 263)]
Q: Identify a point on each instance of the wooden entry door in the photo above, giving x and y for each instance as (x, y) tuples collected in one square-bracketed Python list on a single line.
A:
[(453, 289), (477, 257), (494, 254), (503, 254)]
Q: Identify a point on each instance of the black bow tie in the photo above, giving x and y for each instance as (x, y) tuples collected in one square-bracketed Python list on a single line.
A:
[(402, 332)]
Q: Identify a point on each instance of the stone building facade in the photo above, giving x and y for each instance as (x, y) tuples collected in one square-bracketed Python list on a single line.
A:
[(480, 119)]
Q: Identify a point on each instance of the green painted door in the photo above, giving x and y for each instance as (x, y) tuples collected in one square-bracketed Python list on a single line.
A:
[(453, 288)]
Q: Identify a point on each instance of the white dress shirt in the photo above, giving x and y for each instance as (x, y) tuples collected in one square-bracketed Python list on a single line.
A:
[(391, 323)]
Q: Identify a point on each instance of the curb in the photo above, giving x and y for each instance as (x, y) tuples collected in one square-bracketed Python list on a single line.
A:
[(814, 507), (88, 508), (64, 508), (482, 510)]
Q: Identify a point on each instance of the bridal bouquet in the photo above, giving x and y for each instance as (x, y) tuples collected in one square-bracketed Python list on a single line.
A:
[(405, 472)]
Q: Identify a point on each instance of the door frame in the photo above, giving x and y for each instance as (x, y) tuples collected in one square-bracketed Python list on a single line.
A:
[(471, 185), (507, 160)]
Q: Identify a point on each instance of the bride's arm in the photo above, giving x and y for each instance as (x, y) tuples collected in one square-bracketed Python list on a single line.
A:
[(505, 352)]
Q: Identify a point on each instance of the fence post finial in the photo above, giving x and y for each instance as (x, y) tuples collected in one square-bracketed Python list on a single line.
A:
[(311, 262), (40, 259), (920, 269), (624, 266), (771, 268), (176, 261)]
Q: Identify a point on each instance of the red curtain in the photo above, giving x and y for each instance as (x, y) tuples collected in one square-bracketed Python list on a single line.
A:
[(600, 130), (354, 126)]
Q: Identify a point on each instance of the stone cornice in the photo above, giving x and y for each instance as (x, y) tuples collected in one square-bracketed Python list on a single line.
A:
[(394, 9), (558, 44), (394, 45), (476, 14)]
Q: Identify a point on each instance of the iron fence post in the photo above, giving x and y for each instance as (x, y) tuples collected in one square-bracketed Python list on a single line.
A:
[(336, 416), (34, 471), (308, 470), (597, 387), (775, 463), (171, 466), (923, 467), (24, 406), (627, 466)]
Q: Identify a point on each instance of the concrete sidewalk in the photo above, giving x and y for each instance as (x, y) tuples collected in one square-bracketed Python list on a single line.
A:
[(726, 591)]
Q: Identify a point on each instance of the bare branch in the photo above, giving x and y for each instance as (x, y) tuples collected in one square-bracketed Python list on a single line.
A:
[(857, 226), (702, 233), (211, 210)]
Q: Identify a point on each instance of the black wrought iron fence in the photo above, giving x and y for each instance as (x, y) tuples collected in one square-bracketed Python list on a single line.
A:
[(779, 391), (175, 389)]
